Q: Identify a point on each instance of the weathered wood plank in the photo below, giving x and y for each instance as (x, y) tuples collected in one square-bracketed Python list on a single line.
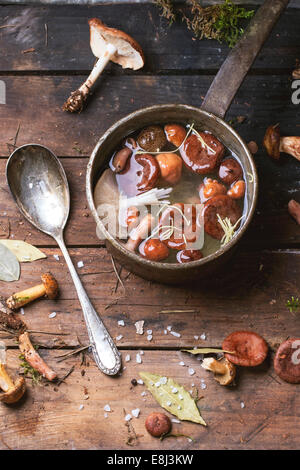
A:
[(49, 417), (253, 295), (166, 48)]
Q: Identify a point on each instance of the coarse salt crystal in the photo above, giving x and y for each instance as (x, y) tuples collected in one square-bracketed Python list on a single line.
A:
[(121, 323), (107, 408), (136, 412), (81, 407), (141, 353), (175, 421), (203, 336), (169, 328), (52, 315), (163, 380), (178, 407), (181, 363), (149, 337), (140, 382), (196, 337), (165, 332), (56, 257), (22, 311), (175, 334), (139, 326), (119, 337), (149, 332), (169, 403), (143, 394), (128, 417), (174, 390), (80, 264), (180, 396), (157, 384), (191, 371), (242, 404), (138, 358), (127, 358), (30, 185), (203, 386)]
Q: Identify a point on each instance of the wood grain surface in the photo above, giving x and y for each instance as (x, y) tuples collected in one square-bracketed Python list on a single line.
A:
[(252, 292)]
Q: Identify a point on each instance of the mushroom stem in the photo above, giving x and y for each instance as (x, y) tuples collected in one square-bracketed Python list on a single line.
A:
[(290, 145), (24, 297), (75, 102), (139, 233), (215, 366), (34, 359)]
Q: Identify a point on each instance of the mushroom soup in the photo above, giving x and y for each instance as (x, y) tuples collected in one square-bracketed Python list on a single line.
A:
[(172, 193)]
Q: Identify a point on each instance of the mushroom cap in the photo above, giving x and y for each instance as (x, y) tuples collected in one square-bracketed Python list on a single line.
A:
[(14, 394), (129, 53), (272, 141), (50, 284), (249, 348), (285, 363)]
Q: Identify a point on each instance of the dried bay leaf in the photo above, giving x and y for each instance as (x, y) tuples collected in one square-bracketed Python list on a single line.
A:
[(9, 265), (24, 251), (180, 403), (206, 351)]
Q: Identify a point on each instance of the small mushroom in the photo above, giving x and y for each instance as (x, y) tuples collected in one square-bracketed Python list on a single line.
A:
[(49, 287), (170, 166), (158, 424), (294, 210), (154, 250), (210, 188), (12, 390), (139, 233), (106, 44), (275, 144), (287, 361), (237, 190), (152, 139), (224, 371), (248, 348), (34, 359)]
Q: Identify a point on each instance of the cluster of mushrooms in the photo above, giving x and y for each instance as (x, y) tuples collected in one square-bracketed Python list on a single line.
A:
[(13, 390), (155, 159), (244, 349)]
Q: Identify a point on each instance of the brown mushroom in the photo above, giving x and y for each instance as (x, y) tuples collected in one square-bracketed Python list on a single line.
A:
[(170, 166), (248, 348), (12, 390), (154, 250), (152, 139), (49, 288), (224, 371), (106, 44), (294, 210), (275, 144), (9, 320), (34, 359), (158, 424), (287, 361)]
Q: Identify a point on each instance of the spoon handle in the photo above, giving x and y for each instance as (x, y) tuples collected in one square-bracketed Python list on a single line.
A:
[(105, 352)]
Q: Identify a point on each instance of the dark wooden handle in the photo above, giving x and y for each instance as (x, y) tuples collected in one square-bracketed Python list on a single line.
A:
[(233, 71)]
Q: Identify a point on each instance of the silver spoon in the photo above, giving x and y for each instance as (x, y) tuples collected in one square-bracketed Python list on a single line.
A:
[(40, 188)]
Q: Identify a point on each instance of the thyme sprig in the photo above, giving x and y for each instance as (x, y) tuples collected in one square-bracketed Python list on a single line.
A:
[(220, 21), (293, 304)]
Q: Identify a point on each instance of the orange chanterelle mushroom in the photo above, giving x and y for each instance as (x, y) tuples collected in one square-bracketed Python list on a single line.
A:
[(106, 44)]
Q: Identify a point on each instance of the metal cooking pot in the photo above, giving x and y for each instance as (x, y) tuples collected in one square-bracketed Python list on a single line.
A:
[(209, 117)]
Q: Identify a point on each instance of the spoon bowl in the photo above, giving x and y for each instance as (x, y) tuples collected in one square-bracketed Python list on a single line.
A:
[(40, 188)]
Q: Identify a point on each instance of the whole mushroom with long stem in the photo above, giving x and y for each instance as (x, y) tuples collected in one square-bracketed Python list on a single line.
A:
[(275, 144), (106, 44), (34, 359), (48, 287)]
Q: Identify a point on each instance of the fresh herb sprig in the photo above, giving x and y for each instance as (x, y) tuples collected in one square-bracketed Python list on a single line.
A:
[(220, 21), (293, 304)]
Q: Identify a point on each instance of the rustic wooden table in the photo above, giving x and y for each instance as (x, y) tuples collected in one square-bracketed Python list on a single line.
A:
[(263, 275)]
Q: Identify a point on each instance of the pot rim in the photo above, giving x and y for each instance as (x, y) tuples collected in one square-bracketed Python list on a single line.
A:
[(155, 264)]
